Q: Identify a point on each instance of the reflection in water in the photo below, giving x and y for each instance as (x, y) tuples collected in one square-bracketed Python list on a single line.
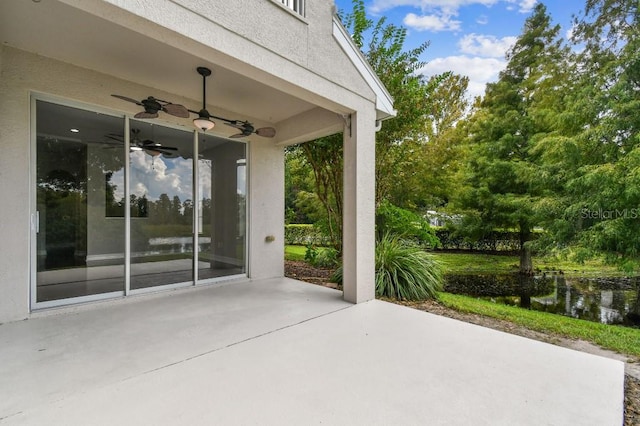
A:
[(606, 300), (172, 245)]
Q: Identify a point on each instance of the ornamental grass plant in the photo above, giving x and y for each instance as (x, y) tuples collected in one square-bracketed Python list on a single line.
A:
[(404, 270)]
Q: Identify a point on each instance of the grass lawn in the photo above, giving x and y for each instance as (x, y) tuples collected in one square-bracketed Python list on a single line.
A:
[(475, 263), (294, 252), (616, 338)]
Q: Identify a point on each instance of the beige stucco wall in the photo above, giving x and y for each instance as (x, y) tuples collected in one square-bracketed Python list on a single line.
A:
[(14, 193), (266, 217), (21, 74), (261, 35), (257, 39), (307, 41)]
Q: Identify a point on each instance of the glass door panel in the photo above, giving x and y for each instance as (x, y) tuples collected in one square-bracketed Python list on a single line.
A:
[(161, 194), (222, 207), (81, 197), (79, 245)]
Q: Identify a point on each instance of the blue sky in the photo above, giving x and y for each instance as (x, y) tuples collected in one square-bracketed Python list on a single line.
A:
[(468, 37)]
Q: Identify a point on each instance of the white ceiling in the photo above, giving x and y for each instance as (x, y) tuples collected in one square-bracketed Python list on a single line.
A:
[(56, 30)]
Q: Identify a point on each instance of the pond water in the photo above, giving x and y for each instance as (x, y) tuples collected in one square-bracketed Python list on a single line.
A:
[(165, 245), (605, 300)]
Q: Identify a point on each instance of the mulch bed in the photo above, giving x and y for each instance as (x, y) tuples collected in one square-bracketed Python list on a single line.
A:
[(304, 272)]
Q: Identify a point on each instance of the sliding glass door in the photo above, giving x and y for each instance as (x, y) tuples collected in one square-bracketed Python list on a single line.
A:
[(222, 179), (161, 198), (79, 246), (110, 201)]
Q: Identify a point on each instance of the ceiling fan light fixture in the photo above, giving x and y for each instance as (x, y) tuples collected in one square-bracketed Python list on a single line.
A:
[(203, 122)]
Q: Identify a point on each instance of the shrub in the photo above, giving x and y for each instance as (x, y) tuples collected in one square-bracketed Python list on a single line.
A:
[(321, 257), (453, 239), (302, 235), (404, 223), (403, 270)]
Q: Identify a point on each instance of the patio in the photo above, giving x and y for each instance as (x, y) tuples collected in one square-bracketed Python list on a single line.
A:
[(283, 352)]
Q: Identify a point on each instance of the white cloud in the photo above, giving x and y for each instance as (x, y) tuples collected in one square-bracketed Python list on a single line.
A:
[(485, 45), (527, 6), (482, 20), (152, 176), (448, 6), (524, 6), (479, 70), (570, 33), (432, 23)]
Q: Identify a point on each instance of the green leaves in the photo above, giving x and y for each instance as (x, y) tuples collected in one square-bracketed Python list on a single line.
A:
[(404, 271), (506, 177), (601, 140)]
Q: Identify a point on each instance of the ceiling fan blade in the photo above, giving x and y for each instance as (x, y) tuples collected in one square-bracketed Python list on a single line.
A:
[(237, 135), (125, 98), (145, 114), (235, 125), (267, 132), (149, 144), (176, 110)]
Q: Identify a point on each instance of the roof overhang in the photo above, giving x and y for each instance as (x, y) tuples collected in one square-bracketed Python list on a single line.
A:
[(384, 101)]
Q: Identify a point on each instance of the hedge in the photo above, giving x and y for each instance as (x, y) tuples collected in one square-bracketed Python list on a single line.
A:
[(496, 241), (302, 234)]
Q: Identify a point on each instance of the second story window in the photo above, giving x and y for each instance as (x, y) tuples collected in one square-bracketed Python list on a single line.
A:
[(295, 5)]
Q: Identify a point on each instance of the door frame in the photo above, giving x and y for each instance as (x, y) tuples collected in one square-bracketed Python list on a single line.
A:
[(33, 243)]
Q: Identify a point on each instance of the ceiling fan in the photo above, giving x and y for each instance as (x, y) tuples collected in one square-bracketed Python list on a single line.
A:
[(247, 129), (152, 106), (150, 147), (204, 122)]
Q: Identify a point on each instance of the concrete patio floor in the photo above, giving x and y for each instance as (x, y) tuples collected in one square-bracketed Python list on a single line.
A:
[(284, 352)]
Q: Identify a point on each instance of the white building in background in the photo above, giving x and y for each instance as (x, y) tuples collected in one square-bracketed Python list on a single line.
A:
[(102, 199)]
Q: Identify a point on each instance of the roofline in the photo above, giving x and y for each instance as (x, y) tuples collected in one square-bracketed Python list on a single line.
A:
[(384, 101)]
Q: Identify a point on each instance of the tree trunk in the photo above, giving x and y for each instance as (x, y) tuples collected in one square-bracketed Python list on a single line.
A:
[(526, 264)]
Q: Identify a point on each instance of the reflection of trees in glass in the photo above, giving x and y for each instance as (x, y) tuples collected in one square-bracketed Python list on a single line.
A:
[(176, 210), (139, 206), (113, 208), (187, 211), (242, 203), (62, 201), (162, 211), (205, 205)]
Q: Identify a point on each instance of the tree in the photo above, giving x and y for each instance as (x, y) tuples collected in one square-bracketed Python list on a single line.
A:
[(601, 128), (163, 209), (298, 181), (175, 216), (502, 189), (399, 70), (407, 146), (439, 151), (324, 155), (187, 215)]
